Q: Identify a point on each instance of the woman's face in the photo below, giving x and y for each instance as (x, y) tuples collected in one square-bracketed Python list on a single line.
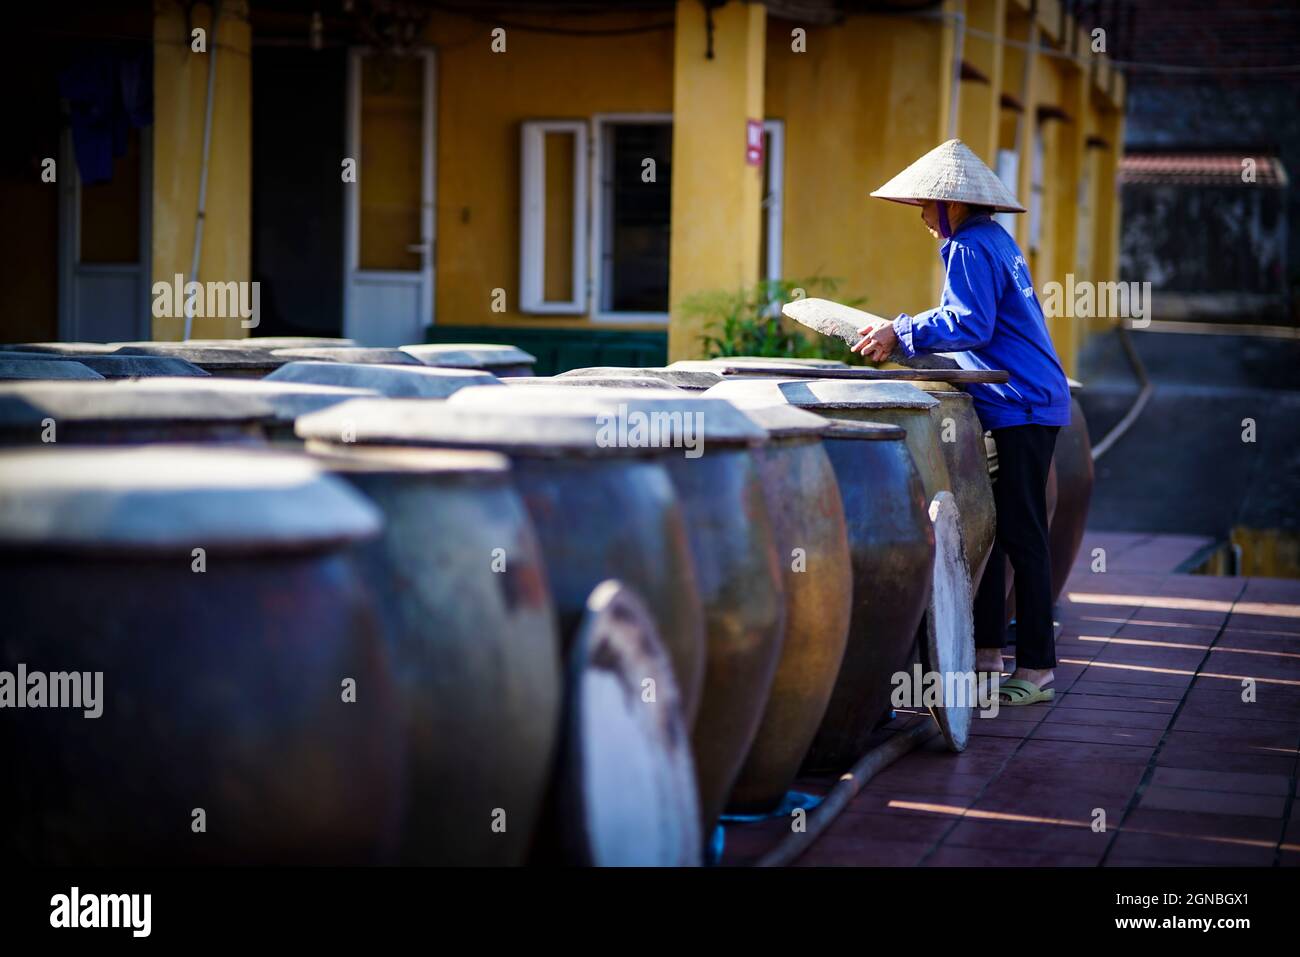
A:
[(957, 213), (930, 216)]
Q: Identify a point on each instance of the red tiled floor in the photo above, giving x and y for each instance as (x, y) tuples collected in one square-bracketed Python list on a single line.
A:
[(947, 856), (1160, 849), (1275, 784), (863, 853), (1097, 703), (1148, 725), (1095, 734), (1056, 838), (1212, 802)]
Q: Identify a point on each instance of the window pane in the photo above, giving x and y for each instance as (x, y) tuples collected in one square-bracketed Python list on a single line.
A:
[(637, 215)]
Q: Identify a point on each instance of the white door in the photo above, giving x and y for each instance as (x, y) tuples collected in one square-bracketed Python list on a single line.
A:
[(104, 247), (388, 211)]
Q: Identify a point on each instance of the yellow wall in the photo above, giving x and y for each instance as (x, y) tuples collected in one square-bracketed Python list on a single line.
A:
[(180, 88), (482, 99), (978, 113), (861, 104), (717, 196)]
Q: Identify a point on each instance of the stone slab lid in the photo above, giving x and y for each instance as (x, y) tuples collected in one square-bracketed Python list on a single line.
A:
[(277, 342), (45, 368), (287, 400), (435, 422), (859, 429), (785, 421), (353, 354), (397, 460), (593, 382), (26, 405), (823, 394), (724, 361), (575, 429), (175, 499), (469, 355), (140, 367), (414, 381), (64, 348), (211, 358), (696, 380), (713, 418)]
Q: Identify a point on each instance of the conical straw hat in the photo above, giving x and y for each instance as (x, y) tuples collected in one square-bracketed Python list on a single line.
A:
[(950, 172)]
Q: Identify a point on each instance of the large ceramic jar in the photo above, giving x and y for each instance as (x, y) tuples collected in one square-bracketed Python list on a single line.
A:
[(803, 498), (458, 577), (208, 602), (709, 449), (600, 511), (891, 540), (1074, 480)]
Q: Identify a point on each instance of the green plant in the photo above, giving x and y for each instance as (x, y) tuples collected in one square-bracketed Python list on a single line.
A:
[(748, 321)]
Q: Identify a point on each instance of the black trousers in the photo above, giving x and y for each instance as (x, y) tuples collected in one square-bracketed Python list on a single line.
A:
[(1020, 495)]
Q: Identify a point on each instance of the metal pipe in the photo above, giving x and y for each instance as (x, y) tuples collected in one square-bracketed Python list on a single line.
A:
[(203, 167), (795, 844), (1131, 416)]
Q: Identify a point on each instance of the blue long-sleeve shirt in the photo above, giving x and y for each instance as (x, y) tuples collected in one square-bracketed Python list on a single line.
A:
[(990, 318)]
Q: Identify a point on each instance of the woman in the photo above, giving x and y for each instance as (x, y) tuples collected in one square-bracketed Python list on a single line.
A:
[(990, 318)]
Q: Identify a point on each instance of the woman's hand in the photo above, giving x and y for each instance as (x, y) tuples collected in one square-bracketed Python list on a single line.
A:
[(878, 342)]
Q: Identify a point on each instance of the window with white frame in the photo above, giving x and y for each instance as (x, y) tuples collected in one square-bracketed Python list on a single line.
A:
[(614, 265), (553, 217)]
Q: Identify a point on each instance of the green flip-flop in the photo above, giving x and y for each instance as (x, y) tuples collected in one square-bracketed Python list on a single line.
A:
[(1019, 692)]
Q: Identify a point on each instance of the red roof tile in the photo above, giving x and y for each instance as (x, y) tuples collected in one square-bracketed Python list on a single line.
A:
[(1201, 169)]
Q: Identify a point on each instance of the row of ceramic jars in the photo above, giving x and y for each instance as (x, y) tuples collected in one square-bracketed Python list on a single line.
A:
[(724, 525)]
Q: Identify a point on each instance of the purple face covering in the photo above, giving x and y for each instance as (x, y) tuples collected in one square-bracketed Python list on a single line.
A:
[(945, 230)]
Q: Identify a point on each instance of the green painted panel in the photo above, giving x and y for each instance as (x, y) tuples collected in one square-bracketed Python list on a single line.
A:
[(559, 350)]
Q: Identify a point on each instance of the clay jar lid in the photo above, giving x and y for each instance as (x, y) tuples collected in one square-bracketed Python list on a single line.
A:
[(45, 368), (787, 422), (469, 355), (521, 427), (140, 367), (64, 348), (233, 358), (593, 382), (357, 354), (696, 380), (714, 420), (824, 394), (277, 342), (412, 381), (724, 361), (24, 406), (172, 499), (378, 460), (286, 400)]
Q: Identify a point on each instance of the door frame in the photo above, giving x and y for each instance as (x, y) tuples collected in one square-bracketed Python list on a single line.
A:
[(352, 199), (69, 244)]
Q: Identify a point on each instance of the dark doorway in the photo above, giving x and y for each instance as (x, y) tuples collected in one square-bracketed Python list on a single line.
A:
[(299, 99)]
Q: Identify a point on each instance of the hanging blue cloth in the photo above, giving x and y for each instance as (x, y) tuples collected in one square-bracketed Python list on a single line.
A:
[(108, 94)]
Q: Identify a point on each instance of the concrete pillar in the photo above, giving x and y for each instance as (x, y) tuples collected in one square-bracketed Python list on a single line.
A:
[(1066, 330), (180, 95), (716, 214)]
